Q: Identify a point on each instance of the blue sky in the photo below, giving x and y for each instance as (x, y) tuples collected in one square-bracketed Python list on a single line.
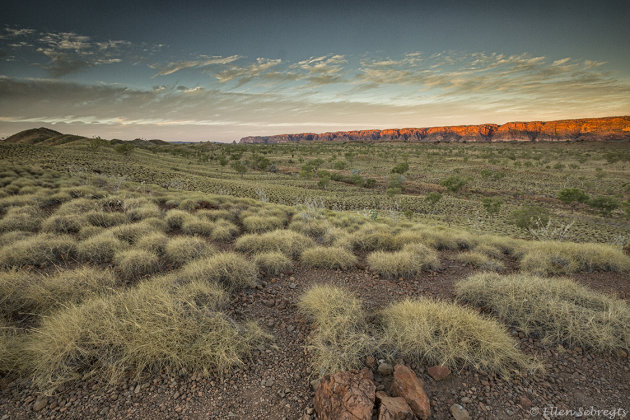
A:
[(223, 70)]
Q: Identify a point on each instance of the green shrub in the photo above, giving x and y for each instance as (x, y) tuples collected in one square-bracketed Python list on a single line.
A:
[(141, 330), (328, 257), (339, 340), (571, 195), (529, 217), (272, 263), (440, 333), (558, 310), (454, 183), (605, 205)]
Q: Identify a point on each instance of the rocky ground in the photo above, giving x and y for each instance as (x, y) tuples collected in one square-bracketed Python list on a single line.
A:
[(276, 384)]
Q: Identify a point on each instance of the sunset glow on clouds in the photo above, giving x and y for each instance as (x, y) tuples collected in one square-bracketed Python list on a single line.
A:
[(80, 83)]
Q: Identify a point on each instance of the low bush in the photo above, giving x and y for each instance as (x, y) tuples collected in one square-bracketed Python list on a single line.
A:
[(141, 330), (180, 250), (558, 310), (136, 263), (441, 333), (328, 257), (339, 340), (272, 263), (290, 243), (229, 269), (410, 261)]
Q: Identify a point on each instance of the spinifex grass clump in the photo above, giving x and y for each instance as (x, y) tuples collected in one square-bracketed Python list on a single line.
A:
[(180, 250), (288, 242), (38, 251), (143, 329), (231, 270), (272, 263), (339, 340), (134, 264), (408, 262), (100, 248), (329, 257), (550, 257), (480, 260), (558, 310), (442, 333)]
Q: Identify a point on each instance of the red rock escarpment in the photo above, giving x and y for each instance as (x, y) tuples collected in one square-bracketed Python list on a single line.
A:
[(589, 129)]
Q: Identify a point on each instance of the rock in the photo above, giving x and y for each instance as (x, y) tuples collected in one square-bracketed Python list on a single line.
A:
[(407, 385), (393, 408), (315, 384), (459, 412), (525, 402), (385, 369), (370, 361), (40, 403), (346, 396), (594, 129), (438, 372)]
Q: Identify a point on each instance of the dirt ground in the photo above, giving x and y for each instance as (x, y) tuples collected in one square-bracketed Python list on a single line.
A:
[(275, 384)]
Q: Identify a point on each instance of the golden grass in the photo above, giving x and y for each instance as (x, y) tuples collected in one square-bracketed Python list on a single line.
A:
[(154, 242), (144, 329), (408, 262), (26, 294), (441, 333), (373, 238), (195, 226), (328, 257), (229, 269), (105, 219), (64, 224), (290, 243), (224, 231), (339, 340), (38, 251), (175, 218), (262, 223), (26, 219), (131, 233), (559, 310), (100, 248), (550, 257), (272, 263), (133, 264), (182, 249), (480, 260)]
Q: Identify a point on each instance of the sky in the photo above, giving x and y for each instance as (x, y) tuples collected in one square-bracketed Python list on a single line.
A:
[(222, 70)]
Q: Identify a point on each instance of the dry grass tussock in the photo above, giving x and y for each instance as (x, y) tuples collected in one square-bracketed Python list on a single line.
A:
[(328, 257), (550, 257), (25, 294), (154, 242), (290, 243), (558, 310), (39, 251), (196, 226), (231, 270), (339, 340), (180, 250), (224, 231), (480, 260), (143, 329), (100, 248), (272, 263), (25, 218), (441, 333), (408, 262), (134, 264)]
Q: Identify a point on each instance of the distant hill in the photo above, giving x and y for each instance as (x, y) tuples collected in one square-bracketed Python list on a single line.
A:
[(588, 129), (46, 136)]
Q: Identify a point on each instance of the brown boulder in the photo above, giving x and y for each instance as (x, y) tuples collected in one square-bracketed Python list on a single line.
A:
[(408, 386), (346, 396), (393, 408), (438, 372)]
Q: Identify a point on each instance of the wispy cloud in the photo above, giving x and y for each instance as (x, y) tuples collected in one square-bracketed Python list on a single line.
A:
[(244, 74), (200, 63)]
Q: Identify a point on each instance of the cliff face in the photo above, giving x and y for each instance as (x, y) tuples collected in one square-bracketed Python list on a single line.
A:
[(590, 129)]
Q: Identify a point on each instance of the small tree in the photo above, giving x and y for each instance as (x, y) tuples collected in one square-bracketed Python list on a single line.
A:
[(573, 195), (454, 183), (395, 185), (529, 216), (605, 205), (401, 168), (492, 205), (238, 166)]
